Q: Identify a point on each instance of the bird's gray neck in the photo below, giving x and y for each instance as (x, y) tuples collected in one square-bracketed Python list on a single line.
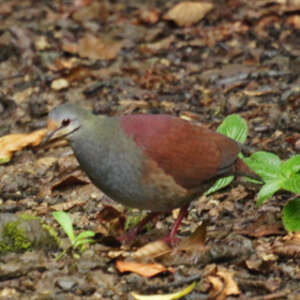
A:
[(92, 141)]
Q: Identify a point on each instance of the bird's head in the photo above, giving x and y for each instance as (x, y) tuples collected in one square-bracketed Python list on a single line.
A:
[(64, 121)]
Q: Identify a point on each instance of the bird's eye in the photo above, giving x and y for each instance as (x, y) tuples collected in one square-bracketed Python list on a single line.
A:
[(65, 122)]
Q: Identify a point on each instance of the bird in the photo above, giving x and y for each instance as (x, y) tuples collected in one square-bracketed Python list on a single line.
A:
[(154, 162)]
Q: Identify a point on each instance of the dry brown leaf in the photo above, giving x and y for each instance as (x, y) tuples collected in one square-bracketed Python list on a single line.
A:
[(294, 21), (150, 16), (68, 205), (90, 10), (94, 47), (17, 141), (194, 243), (288, 246), (112, 219), (66, 181), (152, 250), (262, 227), (62, 64), (231, 287), (155, 47), (7, 7), (188, 13), (262, 92), (258, 231), (145, 270), (223, 284), (217, 287)]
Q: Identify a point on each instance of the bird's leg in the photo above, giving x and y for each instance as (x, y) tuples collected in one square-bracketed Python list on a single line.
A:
[(171, 238), (132, 233)]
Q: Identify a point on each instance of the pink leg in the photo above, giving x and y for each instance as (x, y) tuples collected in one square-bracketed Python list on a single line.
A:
[(132, 233), (171, 238)]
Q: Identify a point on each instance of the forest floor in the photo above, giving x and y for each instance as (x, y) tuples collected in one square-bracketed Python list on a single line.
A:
[(199, 62)]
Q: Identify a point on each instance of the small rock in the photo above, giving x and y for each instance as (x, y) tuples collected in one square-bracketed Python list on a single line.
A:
[(66, 283), (59, 84)]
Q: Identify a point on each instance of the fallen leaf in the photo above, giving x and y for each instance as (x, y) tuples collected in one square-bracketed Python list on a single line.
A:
[(288, 245), (196, 242), (68, 205), (152, 250), (7, 7), (217, 286), (109, 213), (112, 219), (172, 296), (17, 141), (188, 13), (93, 10), (231, 287), (150, 16), (145, 270), (262, 227), (223, 284), (294, 21), (262, 230), (155, 47), (69, 180), (94, 47)]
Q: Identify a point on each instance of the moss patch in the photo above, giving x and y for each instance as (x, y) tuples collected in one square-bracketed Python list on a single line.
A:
[(25, 232)]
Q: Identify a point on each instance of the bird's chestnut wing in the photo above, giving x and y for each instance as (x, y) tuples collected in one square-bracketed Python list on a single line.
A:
[(190, 154)]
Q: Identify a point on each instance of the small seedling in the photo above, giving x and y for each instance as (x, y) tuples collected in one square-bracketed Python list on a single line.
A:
[(279, 175), (236, 128), (276, 174), (77, 242)]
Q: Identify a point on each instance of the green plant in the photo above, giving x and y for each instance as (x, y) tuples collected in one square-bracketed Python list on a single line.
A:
[(77, 242), (279, 175), (236, 128), (276, 174)]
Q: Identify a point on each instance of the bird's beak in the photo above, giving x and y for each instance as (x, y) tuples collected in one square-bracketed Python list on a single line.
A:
[(55, 132)]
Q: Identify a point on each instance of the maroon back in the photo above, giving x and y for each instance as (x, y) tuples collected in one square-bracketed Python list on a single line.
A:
[(190, 154)]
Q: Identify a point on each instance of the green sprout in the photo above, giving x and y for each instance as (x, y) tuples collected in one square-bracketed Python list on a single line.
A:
[(77, 242), (279, 175), (236, 128), (276, 174)]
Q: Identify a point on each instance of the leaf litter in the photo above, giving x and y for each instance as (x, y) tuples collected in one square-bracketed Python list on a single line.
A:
[(239, 58)]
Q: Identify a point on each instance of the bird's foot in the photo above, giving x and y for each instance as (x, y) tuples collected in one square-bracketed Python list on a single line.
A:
[(171, 239)]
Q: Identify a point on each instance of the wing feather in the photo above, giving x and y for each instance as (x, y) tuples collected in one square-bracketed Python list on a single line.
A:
[(191, 154)]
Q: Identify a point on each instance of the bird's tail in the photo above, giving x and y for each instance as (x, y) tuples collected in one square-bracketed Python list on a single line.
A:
[(242, 169)]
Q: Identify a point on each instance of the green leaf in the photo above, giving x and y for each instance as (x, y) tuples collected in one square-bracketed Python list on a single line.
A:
[(265, 164), (220, 183), (292, 184), (81, 242), (291, 166), (234, 127), (172, 296), (267, 191), (4, 159), (291, 215), (65, 222), (85, 234)]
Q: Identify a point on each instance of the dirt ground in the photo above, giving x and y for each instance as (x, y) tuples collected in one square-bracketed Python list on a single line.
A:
[(201, 63)]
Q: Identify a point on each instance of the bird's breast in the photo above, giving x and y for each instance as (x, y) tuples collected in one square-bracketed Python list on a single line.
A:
[(121, 170)]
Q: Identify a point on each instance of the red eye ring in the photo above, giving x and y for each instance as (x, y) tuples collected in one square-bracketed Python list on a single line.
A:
[(65, 122)]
